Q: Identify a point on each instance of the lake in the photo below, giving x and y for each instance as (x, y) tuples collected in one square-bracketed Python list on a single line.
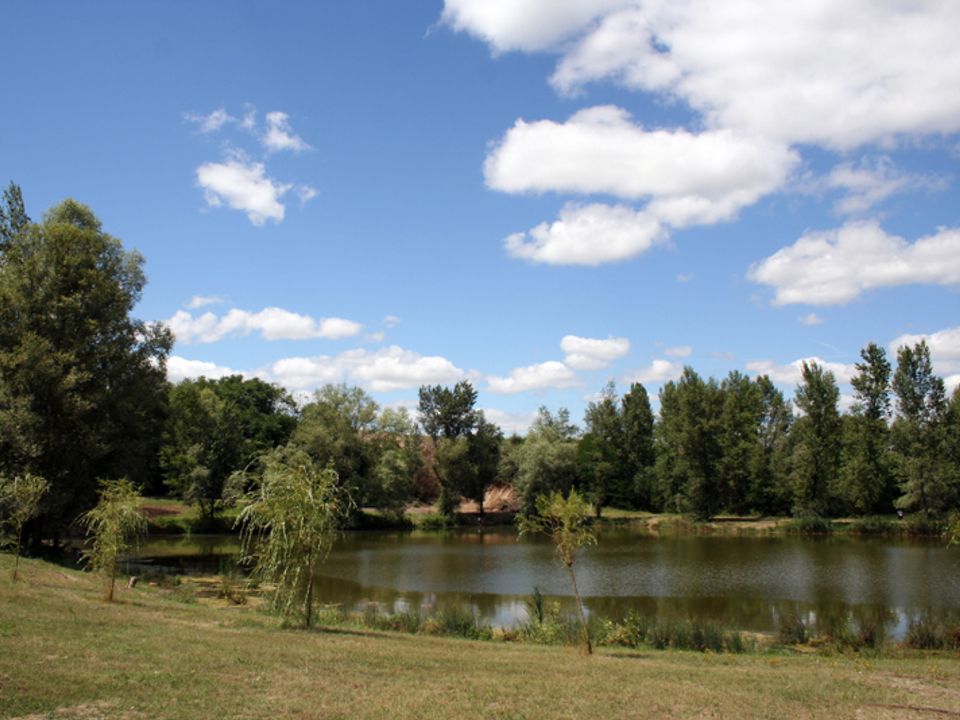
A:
[(739, 582)]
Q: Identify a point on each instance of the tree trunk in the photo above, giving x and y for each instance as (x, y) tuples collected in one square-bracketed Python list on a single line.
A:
[(309, 606), (583, 619), (113, 579), (16, 556)]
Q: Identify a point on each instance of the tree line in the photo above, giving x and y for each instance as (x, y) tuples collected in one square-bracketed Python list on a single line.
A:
[(84, 397)]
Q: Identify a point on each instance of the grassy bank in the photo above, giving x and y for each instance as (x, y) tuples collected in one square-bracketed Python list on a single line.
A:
[(65, 654)]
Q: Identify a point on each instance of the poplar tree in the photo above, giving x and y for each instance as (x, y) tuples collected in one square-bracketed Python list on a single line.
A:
[(816, 450)]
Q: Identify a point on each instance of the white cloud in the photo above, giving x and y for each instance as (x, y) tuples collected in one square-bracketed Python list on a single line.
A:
[(592, 353), (199, 301), (659, 371), (792, 373), (510, 422), (547, 375), (521, 24), (273, 323), (211, 122), (834, 267), (838, 74), (944, 348), (394, 368), (872, 181), (179, 368), (375, 337), (243, 185), (587, 235), (306, 194), (692, 177), (304, 373), (280, 136), (678, 351), (811, 319), (684, 277), (391, 321)]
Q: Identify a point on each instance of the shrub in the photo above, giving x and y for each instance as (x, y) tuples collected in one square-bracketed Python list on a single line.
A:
[(810, 525), (924, 634), (793, 630), (873, 525)]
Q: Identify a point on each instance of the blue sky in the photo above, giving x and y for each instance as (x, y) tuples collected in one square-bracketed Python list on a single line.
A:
[(539, 196)]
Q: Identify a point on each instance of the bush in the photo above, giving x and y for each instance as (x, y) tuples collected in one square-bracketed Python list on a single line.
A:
[(874, 525), (793, 630), (810, 525), (435, 521), (924, 634), (925, 526)]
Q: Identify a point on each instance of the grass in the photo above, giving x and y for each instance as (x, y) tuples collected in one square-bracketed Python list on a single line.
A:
[(65, 654)]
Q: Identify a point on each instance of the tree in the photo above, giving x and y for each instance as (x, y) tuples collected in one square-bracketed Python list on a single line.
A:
[(918, 433), (335, 430), (218, 427), (770, 491), (82, 383), (865, 472), (288, 524), (19, 500), (398, 460), (447, 415), (688, 445), (566, 521), (816, 450), (546, 461), (600, 454), (13, 217), (638, 445), (114, 525), (739, 439)]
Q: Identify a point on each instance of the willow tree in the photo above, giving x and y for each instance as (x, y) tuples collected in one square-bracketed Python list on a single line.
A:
[(114, 526), (288, 524), (566, 521), (20, 497)]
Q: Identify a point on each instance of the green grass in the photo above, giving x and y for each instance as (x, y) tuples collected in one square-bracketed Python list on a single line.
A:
[(65, 654)]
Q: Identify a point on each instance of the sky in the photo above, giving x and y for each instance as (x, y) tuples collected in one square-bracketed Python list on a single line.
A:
[(537, 196)]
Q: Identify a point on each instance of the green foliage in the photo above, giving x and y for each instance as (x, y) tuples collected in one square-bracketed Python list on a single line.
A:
[(600, 455), (82, 384), (639, 454), (816, 436), (13, 216), (288, 524), (638, 631), (546, 462), (114, 525), (566, 521), (809, 524), (219, 427), (20, 498)]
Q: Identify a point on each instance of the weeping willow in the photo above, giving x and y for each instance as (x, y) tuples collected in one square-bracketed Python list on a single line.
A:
[(20, 498), (288, 523), (114, 526)]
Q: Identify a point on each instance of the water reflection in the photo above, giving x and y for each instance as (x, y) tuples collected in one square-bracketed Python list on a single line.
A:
[(748, 583)]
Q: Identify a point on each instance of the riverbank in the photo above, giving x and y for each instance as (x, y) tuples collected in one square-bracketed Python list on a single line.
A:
[(173, 517), (66, 654)]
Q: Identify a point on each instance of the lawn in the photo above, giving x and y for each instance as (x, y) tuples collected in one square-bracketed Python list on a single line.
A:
[(65, 654)]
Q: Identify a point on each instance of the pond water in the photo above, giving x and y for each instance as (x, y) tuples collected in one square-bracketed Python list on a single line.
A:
[(740, 582)]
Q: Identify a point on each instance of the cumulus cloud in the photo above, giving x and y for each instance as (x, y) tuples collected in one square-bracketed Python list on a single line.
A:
[(592, 353), (279, 136), (792, 373), (811, 319), (659, 371), (587, 235), (179, 368), (678, 351), (699, 177), (391, 321), (543, 376), (687, 179), (944, 348), (272, 323), (837, 74), (523, 25), (306, 193), (834, 267), (243, 185)]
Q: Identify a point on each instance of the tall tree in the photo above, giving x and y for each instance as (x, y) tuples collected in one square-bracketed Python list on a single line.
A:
[(82, 383), (601, 452), (13, 217), (470, 464), (770, 491), (816, 449), (448, 415), (739, 439), (918, 432), (866, 478), (638, 449)]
